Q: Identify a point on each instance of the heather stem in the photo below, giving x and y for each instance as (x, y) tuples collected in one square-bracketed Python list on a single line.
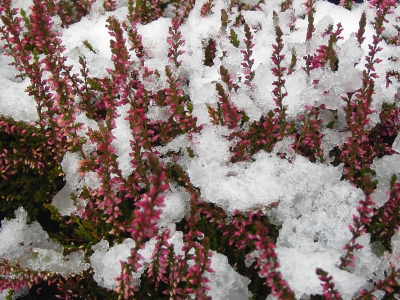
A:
[(248, 61), (279, 91), (328, 286), (269, 266), (310, 18), (360, 224)]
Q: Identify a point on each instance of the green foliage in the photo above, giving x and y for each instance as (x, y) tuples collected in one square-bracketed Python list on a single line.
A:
[(239, 20), (89, 46), (10, 295), (292, 62), (145, 11), (190, 152), (27, 22), (234, 38), (383, 134), (220, 243), (224, 19), (95, 84), (285, 5), (245, 117), (332, 123), (209, 53), (28, 184)]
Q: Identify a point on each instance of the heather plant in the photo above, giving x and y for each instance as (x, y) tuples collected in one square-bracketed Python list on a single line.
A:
[(148, 144)]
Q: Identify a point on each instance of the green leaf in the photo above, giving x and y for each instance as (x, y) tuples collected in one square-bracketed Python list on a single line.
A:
[(190, 152), (234, 39), (89, 46)]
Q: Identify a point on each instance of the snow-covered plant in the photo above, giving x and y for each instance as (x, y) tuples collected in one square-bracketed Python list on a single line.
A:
[(212, 149)]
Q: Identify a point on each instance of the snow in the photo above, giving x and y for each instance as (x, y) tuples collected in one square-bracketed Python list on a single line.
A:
[(22, 107), (175, 206), (105, 261), (62, 201), (31, 246), (235, 285), (121, 142), (315, 207), (385, 168)]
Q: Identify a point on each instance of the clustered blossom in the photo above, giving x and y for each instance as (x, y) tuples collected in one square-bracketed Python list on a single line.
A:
[(29, 158), (209, 52), (16, 278), (175, 42), (182, 8), (231, 115), (309, 143), (261, 134), (279, 90), (131, 205), (384, 6), (159, 263), (361, 30), (11, 31), (144, 11), (248, 61), (54, 95), (192, 274), (206, 9), (72, 12), (136, 41), (358, 159), (274, 124), (310, 18), (227, 113), (388, 128), (328, 286), (240, 239), (143, 226), (388, 214), (326, 53), (267, 262), (110, 5)]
